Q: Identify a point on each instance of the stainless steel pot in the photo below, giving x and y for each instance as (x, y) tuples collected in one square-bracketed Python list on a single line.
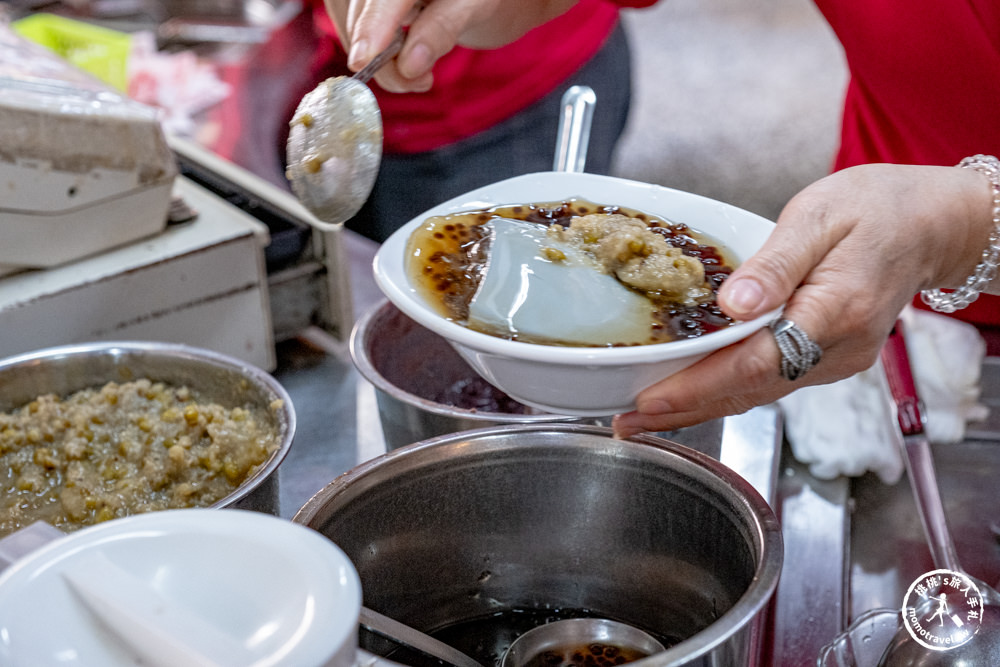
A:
[(413, 369), (225, 380), (560, 517)]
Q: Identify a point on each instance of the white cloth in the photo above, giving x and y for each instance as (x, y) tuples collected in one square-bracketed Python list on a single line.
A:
[(849, 428)]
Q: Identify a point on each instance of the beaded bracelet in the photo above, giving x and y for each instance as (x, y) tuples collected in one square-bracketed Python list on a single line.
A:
[(986, 270)]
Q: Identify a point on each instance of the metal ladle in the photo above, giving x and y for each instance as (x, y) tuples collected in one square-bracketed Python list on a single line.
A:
[(984, 647), (556, 643), (412, 638), (334, 146)]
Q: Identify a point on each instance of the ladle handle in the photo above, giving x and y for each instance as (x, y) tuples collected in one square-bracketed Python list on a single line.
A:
[(575, 120), (917, 450), (411, 637), (365, 74)]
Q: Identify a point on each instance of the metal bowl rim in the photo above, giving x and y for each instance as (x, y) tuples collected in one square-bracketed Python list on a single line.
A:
[(367, 369)]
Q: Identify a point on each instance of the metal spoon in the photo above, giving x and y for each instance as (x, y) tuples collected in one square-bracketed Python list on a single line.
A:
[(573, 138), (984, 647), (334, 146)]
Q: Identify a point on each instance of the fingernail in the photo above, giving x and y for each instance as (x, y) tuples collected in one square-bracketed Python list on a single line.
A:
[(359, 51), (621, 431), (617, 430), (743, 295), (418, 61)]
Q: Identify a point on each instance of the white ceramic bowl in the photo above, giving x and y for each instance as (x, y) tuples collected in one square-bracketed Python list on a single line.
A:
[(582, 381)]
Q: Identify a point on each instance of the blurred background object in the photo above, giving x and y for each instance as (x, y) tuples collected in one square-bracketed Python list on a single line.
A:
[(182, 21)]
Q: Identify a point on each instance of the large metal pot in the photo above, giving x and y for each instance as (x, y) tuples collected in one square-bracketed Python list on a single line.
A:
[(223, 379), (413, 369), (561, 517)]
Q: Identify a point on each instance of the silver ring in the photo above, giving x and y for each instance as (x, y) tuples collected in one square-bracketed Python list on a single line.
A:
[(798, 351)]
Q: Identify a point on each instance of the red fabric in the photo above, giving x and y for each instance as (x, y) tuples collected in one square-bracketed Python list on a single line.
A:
[(474, 90), (949, 110)]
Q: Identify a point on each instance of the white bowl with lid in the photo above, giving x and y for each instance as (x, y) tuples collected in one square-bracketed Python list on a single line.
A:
[(579, 381), (193, 587)]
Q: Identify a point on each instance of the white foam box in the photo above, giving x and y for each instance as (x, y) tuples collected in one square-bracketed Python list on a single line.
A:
[(203, 283), (83, 168)]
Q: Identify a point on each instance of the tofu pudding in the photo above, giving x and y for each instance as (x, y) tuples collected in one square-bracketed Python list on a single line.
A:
[(571, 273)]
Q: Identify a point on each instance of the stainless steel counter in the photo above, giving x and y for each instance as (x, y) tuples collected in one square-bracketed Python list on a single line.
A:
[(335, 407), (853, 545), (888, 550)]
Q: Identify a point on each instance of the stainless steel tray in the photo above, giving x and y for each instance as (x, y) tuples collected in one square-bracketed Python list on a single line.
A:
[(853, 545)]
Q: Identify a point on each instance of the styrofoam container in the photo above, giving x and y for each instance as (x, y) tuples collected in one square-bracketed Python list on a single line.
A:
[(83, 167)]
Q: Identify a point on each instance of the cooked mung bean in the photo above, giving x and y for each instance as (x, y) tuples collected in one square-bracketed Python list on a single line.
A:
[(123, 449)]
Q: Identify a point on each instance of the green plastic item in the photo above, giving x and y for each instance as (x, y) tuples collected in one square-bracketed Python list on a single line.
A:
[(100, 51)]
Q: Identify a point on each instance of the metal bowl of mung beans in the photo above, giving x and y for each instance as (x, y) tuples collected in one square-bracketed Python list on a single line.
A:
[(98, 431)]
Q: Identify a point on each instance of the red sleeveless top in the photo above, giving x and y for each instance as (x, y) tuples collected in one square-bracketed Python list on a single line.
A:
[(476, 89), (924, 88)]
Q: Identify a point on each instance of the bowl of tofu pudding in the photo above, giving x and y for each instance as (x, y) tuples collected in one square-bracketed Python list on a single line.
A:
[(573, 292)]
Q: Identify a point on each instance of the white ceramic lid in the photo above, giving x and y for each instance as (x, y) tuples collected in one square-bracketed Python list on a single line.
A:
[(192, 587)]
